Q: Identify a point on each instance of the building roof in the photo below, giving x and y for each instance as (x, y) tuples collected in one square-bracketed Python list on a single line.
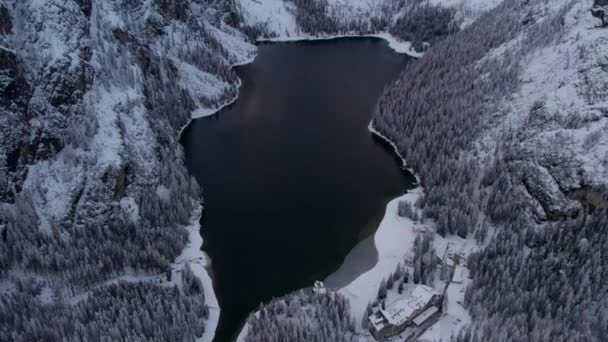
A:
[(377, 320), (403, 310), (424, 316)]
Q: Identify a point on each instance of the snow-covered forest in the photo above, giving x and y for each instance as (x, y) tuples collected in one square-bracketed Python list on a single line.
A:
[(503, 119), (95, 195), (303, 317), (502, 147)]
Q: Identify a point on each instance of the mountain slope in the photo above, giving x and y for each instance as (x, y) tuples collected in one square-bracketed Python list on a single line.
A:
[(95, 195)]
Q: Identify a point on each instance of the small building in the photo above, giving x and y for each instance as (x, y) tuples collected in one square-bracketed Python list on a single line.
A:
[(319, 287), (450, 263), (413, 312)]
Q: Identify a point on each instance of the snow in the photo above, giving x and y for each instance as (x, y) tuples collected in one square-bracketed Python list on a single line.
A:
[(130, 208), (163, 192), (468, 10), (139, 135), (454, 318), (394, 43), (54, 38), (403, 310), (278, 17), (274, 14), (393, 239), (107, 143), (51, 184), (567, 78), (46, 295), (395, 149), (425, 315), (199, 83), (199, 263)]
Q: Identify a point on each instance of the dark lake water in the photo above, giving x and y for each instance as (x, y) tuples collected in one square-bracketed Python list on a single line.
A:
[(291, 176)]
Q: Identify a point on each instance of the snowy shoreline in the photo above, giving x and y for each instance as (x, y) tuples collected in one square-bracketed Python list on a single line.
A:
[(199, 262), (373, 130), (391, 239), (193, 253), (395, 44)]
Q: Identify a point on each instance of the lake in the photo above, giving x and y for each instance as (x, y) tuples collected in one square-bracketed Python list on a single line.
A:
[(292, 178)]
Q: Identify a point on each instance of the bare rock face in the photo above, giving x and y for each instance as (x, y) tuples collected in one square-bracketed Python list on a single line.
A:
[(14, 96), (542, 186), (14, 89), (600, 11)]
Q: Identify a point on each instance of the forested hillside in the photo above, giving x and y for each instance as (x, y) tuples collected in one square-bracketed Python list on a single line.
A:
[(505, 123), (413, 21), (94, 191)]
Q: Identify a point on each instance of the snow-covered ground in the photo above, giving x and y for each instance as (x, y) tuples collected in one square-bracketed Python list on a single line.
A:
[(200, 264), (394, 43), (278, 17), (468, 10), (560, 108), (455, 316), (393, 239)]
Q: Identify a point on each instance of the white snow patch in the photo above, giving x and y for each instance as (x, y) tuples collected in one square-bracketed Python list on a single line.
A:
[(199, 263), (567, 79), (199, 83), (273, 14), (51, 185), (468, 10), (130, 209), (163, 193), (394, 43), (46, 295), (107, 143)]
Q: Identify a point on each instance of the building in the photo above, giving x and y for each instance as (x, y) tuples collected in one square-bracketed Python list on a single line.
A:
[(319, 288), (411, 312), (450, 263)]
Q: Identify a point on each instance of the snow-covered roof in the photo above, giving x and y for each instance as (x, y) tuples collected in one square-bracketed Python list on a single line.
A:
[(403, 310), (377, 320), (418, 320)]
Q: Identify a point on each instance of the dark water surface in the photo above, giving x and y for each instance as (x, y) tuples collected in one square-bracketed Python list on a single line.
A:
[(291, 176)]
